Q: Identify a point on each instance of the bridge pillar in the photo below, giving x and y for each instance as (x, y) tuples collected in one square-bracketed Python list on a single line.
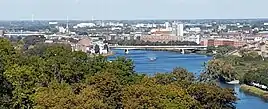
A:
[(126, 51), (182, 51)]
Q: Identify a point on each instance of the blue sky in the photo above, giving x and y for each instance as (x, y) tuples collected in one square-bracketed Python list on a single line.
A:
[(132, 9)]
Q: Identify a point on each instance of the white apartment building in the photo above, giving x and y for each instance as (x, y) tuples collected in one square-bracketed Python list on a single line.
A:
[(178, 29), (193, 38)]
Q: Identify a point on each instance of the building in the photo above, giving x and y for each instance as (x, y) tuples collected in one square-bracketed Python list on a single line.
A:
[(195, 30), (2, 32), (52, 23), (167, 25), (83, 25), (177, 29), (62, 29), (192, 38), (220, 42), (102, 48), (158, 38), (84, 45)]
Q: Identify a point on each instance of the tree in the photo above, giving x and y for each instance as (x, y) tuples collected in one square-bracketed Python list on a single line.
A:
[(222, 50), (150, 95), (123, 68), (219, 69), (62, 96), (24, 80), (108, 86), (210, 49), (5, 90), (32, 40), (210, 96), (97, 49), (178, 76), (182, 74), (106, 47), (52, 76)]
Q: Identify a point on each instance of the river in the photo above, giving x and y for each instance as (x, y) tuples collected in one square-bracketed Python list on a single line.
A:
[(166, 61)]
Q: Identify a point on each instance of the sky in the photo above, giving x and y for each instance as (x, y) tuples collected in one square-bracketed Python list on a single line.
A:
[(132, 9)]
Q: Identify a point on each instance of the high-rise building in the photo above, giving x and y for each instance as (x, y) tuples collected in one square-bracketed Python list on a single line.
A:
[(180, 30), (167, 25), (177, 29)]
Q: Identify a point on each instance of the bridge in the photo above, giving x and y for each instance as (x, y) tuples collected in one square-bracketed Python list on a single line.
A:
[(160, 47), (24, 34)]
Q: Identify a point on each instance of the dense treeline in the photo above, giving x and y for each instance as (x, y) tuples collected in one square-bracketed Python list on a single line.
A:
[(247, 67), (144, 43), (52, 76), (220, 50)]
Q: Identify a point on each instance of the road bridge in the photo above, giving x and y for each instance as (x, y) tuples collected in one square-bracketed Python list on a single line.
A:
[(24, 34), (180, 48), (160, 47)]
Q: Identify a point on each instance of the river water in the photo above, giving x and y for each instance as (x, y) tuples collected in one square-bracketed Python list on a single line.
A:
[(166, 61)]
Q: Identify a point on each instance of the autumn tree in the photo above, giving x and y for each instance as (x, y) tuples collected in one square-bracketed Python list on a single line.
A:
[(62, 96), (212, 97), (149, 95)]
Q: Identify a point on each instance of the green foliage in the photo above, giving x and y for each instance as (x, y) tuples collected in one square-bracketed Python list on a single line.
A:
[(210, 49), (249, 68), (61, 96), (220, 50), (108, 86), (218, 69), (52, 76), (150, 95), (211, 97), (257, 76), (179, 76), (23, 78), (5, 90), (97, 49)]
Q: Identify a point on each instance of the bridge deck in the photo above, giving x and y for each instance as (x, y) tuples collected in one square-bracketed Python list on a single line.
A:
[(159, 47)]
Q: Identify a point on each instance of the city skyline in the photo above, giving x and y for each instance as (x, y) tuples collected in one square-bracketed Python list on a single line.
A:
[(132, 10)]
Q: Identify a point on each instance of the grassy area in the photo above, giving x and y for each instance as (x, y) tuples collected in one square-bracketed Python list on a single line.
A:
[(255, 91)]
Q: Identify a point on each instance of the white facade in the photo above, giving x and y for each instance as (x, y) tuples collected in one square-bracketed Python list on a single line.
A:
[(82, 25), (179, 30), (257, 39), (193, 38), (195, 29), (52, 23), (49, 41), (1, 32), (167, 25), (62, 30)]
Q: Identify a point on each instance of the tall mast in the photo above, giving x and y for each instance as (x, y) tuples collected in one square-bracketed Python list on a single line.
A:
[(67, 25)]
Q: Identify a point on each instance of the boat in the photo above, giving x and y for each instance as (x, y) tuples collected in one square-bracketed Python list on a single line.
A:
[(233, 82), (152, 58), (126, 51)]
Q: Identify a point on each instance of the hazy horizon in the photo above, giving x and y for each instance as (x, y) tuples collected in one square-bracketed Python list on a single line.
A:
[(133, 9)]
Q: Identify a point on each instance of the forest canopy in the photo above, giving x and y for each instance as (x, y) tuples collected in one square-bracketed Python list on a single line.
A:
[(55, 77)]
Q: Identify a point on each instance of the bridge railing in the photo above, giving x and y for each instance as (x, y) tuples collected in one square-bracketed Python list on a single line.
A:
[(118, 46)]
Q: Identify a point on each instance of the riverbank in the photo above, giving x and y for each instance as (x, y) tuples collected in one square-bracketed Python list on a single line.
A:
[(108, 54), (104, 55), (255, 91)]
